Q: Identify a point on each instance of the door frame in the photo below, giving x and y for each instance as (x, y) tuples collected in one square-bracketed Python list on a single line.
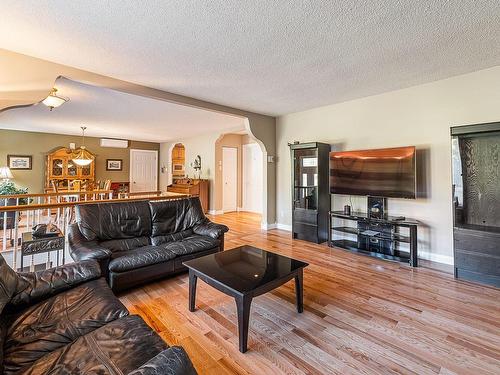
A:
[(236, 185), (244, 148), (132, 150)]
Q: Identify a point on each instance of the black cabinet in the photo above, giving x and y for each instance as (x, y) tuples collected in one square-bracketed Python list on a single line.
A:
[(310, 195), (476, 202)]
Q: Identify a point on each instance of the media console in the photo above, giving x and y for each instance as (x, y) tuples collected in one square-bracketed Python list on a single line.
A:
[(380, 238)]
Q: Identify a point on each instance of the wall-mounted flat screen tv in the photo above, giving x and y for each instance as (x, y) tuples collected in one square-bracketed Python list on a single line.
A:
[(388, 172)]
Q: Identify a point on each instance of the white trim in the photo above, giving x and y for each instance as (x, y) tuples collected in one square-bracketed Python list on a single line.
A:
[(131, 159), (266, 226), (223, 175), (438, 258), (215, 212), (286, 227)]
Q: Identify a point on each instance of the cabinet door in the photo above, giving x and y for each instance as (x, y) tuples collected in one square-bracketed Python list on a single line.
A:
[(305, 179), (56, 167), (71, 169), (86, 171)]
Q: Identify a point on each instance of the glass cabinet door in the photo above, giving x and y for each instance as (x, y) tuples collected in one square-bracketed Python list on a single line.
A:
[(57, 167), (305, 184), (458, 188), (86, 171), (72, 169)]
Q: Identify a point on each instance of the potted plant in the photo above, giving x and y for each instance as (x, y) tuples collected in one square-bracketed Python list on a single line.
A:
[(9, 188)]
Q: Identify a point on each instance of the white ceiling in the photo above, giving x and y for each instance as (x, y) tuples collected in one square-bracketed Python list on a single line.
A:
[(110, 113), (272, 57)]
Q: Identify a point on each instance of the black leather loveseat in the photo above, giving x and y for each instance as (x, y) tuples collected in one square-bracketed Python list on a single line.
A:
[(140, 241), (66, 320)]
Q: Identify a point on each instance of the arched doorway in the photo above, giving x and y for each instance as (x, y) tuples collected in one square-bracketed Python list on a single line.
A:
[(239, 174)]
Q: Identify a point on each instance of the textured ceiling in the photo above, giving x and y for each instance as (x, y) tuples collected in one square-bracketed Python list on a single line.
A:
[(272, 57), (109, 113)]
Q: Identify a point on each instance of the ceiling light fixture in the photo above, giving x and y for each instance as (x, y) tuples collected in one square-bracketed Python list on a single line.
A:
[(53, 100), (82, 157)]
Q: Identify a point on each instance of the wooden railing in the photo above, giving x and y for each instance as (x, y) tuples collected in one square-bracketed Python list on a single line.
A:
[(80, 195), (140, 194), (20, 218)]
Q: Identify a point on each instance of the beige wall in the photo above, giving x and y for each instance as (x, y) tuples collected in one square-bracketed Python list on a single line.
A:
[(209, 147), (204, 146), (39, 144), (229, 140), (25, 80), (420, 116)]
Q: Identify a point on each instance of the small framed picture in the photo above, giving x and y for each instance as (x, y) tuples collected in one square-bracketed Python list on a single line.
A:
[(114, 164), (19, 161)]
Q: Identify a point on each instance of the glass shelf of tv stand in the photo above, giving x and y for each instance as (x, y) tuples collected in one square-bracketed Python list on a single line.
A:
[(381, 236), (405, 255), (399, 255)]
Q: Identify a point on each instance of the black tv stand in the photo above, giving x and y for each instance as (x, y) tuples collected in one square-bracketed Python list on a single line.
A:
[(380, 238)]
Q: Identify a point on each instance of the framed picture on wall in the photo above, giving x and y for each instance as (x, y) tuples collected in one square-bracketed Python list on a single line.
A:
[(19, 161), (114, 164)]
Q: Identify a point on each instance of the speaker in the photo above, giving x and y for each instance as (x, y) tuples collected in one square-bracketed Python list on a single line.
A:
[(377, 207)]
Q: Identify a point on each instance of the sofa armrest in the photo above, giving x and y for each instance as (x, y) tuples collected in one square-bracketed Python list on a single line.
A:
[(35, 286), (82, 249), (207, 228), (171, 361)]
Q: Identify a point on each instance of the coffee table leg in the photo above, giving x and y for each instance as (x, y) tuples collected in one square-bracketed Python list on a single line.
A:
[(299, 290), (243, 309), (192, 290)]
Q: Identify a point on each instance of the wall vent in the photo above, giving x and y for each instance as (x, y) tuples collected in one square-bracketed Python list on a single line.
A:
[(115, 143)]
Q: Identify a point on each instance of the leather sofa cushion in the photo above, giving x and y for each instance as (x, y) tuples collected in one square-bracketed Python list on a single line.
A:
[(175, 215), (125, 244), (140, 257), (116, 348), (109, 221), (179, 236), (8, 283), (173, 360), (42, 328), (193, 244)]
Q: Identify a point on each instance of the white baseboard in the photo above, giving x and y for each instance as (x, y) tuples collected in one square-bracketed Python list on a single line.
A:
[(215, 212), (286, 227), (438, 258), (265, 226), (276, 226)]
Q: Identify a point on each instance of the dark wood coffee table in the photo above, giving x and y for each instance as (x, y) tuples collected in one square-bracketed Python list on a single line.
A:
[(244, 273)]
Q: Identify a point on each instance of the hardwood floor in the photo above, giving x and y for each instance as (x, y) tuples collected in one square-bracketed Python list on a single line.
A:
[(362, 316)]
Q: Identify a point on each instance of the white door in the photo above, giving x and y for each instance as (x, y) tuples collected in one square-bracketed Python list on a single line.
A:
[(252, 178), (143, 170), (229, 178)]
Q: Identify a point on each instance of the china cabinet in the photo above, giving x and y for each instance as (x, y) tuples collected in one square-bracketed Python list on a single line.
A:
[(62, 170), (310, 195)]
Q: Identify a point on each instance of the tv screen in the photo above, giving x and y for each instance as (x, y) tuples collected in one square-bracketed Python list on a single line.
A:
[(388, 172)]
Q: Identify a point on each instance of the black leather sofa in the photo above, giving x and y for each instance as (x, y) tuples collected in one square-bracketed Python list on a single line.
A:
[(66, 320), (140, 241)]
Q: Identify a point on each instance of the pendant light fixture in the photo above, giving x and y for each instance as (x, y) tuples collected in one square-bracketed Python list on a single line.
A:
[(81, 156), (53, 100)]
